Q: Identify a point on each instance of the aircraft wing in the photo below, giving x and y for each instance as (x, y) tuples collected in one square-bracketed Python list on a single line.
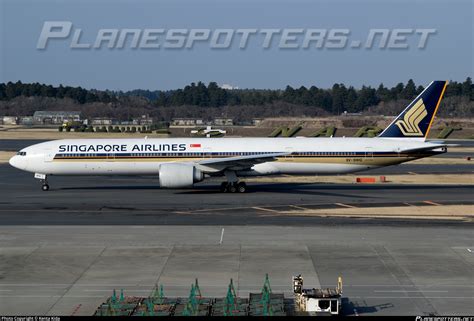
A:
[(237, 163)]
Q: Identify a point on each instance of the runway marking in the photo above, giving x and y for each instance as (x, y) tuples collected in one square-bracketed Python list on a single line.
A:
[(265, 209), (412, 173), (469, 250), (221, 209), (432, 203), (345, 205), (408, 204), (403, 291), (299, 207), (222, 236)]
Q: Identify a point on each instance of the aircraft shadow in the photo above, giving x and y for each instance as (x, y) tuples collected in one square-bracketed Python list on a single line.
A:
[(287, 188)]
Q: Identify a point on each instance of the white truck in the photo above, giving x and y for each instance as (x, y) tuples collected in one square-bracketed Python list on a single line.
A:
[(317, 301)]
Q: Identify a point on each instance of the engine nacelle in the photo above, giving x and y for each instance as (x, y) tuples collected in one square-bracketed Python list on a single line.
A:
[(179, 175)]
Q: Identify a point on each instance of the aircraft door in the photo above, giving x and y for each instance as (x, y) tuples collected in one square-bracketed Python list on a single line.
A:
[(369, 153), (207, 153), (289, 150)]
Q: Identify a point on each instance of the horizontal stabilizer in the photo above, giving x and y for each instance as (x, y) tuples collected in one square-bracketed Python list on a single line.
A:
[(425, 148)]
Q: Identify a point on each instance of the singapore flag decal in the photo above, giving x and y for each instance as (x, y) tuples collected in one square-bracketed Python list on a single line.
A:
[(195, 145)]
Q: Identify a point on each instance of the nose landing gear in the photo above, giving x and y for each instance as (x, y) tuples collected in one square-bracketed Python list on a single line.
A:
[(43, 180)]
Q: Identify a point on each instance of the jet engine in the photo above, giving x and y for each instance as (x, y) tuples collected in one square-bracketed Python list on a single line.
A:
[(179, 175)]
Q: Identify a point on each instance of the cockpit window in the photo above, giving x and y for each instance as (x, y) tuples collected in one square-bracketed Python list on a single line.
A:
[(21, 153)]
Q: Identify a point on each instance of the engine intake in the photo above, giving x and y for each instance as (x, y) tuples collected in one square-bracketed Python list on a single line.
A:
[(179, 175)]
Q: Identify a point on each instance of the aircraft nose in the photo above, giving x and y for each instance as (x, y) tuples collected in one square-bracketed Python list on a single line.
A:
[(16, 162)]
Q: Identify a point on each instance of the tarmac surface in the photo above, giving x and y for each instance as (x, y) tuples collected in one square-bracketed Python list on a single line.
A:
[(118, 200), (386, 270)]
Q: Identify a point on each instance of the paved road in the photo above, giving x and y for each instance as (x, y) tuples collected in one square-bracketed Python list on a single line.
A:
[(17, 144), (414, 269)]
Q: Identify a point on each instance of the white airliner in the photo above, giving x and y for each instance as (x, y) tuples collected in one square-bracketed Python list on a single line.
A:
[(181, 162)]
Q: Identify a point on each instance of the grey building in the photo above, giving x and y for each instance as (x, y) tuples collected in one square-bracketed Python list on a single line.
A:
[(9, 120), (27, 120), (56, 117), (102, 121), (223, 122), (187, 122)]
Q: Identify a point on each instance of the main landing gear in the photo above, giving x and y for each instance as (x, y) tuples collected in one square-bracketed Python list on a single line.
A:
[(233, 185)]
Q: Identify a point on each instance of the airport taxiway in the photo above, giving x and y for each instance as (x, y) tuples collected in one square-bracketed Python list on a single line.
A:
[(139, 200)]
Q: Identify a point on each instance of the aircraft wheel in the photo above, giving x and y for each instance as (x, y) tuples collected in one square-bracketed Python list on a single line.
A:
[(223, 187), (45, 187), (232, 188), (241, 187)]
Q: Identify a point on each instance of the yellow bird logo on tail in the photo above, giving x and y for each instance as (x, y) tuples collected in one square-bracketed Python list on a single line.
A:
[(409, 126)]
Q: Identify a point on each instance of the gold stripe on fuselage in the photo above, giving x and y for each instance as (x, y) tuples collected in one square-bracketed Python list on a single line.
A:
[(380, 160)]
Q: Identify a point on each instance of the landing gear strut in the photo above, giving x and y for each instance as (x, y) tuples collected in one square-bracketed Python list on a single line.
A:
[(43, 180), (235, 187)]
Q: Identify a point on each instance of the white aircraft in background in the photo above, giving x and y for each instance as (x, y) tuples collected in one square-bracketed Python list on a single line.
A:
[(181, 162), (208, 131)]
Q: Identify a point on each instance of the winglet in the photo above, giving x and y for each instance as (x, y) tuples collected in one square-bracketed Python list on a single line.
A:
[(416, 119)]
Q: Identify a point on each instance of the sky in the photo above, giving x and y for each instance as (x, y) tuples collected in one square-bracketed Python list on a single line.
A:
[(448, 54)]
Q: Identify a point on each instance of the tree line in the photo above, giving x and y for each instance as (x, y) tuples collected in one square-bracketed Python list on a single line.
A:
[(11, 90), (335, 100)]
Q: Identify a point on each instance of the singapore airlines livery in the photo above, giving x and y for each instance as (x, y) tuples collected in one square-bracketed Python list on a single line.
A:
[(181, 162)]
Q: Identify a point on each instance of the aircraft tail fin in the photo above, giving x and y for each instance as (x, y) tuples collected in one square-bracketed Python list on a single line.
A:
[(416, 119)]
